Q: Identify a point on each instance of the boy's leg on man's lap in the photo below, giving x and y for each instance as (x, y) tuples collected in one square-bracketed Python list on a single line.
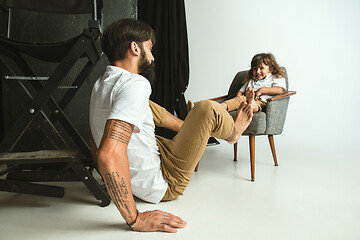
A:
[(234, 103), (181, 154)]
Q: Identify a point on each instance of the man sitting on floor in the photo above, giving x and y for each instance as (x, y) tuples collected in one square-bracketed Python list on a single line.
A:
[(128, 155)]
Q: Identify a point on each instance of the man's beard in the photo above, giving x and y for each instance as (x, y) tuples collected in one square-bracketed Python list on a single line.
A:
[(147, 69)]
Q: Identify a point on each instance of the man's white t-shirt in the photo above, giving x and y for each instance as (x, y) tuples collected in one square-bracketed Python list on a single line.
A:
[(268, 81), (124, 96)]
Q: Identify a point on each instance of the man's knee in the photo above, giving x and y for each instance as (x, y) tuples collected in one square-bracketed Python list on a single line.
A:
[(205, 105), (206, 109)]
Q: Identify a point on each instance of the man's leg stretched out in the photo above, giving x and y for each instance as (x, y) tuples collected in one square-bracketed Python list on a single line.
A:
[(181, 154)]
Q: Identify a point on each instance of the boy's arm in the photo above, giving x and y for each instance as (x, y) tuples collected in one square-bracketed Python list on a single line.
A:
[(113, 166), (268, 91)]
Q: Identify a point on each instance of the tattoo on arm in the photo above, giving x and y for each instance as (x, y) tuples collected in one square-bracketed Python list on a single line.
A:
[(117, 186), (117, 189), (121, 131)]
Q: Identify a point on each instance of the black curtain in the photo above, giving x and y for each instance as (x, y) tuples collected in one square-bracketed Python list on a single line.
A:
[(3, 28), (167, 18)]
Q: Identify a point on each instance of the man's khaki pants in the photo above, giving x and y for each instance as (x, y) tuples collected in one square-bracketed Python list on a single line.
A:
[(180, 155)]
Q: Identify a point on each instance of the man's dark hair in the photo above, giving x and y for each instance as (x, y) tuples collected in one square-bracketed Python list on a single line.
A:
[(119, 35)]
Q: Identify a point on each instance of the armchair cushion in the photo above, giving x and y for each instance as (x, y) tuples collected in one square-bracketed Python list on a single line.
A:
[(257, 125)]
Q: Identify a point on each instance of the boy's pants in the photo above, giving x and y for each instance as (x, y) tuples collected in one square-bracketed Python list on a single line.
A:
[(180, 155), (234, 103)]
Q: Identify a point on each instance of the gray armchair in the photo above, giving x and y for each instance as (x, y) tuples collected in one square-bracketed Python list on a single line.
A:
[(269, 122)]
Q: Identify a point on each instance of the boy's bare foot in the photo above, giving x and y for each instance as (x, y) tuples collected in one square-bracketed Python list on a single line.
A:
[(242, 120), (250, 96), (190, 105), (250, 99)]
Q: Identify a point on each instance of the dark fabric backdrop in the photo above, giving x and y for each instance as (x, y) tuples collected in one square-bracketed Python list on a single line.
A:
[(167, 18)]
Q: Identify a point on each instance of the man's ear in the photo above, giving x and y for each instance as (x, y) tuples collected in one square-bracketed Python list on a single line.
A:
[(135, 49)]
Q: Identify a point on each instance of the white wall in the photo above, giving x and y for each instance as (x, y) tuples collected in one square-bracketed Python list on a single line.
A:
[(317, 41)]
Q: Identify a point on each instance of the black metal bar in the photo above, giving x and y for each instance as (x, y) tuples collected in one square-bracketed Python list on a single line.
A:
[(26, 78), (43, 176), (76, 136), (57, 139), (94, 53), (65, 100), (91, 183), (8, 169), (31, 188)]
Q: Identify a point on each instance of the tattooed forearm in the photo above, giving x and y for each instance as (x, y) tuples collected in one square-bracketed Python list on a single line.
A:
[(121, 131), (123, 187), (117, 189)]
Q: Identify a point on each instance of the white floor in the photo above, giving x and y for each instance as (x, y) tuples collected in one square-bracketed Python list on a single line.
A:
[(310, 195)]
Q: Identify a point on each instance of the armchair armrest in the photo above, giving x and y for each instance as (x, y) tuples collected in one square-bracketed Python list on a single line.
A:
[(283, 95), (276, 97), (217, 99)]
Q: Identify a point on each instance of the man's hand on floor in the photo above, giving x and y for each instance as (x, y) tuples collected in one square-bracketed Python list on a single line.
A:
[(157, 220)]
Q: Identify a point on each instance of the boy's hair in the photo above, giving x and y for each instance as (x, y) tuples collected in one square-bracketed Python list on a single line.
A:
[(120, 34), (269, 60)]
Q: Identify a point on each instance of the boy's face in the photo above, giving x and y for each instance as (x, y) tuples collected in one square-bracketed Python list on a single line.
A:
[(261, 72)]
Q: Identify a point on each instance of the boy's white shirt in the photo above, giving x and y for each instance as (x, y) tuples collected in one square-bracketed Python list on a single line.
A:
[(268, 81)]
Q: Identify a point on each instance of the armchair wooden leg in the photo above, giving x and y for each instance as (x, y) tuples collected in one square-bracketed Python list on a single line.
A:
[(252, 155), (197, 166), (272, 145), (235, 151)]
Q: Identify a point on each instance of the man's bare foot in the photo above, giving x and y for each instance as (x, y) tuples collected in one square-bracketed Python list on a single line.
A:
[(242, 120), (190, 105)]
